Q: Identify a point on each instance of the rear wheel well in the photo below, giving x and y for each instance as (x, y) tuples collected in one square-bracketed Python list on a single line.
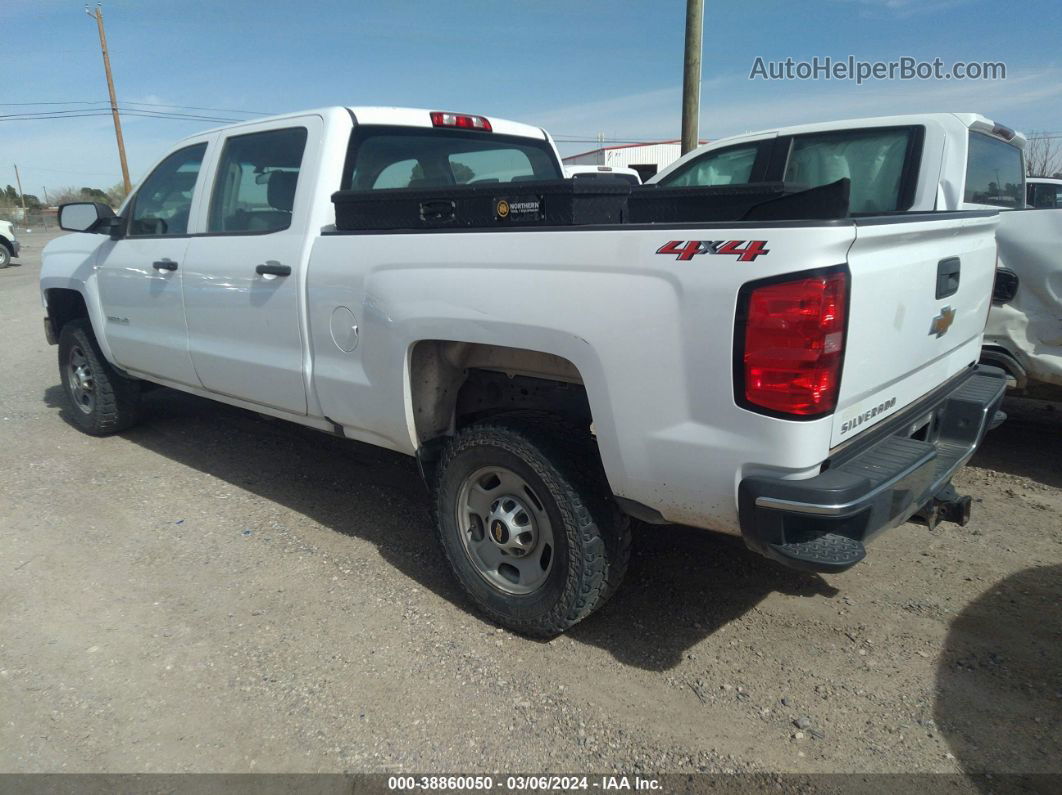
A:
[(63, 306), (7, 244), (455, 384)]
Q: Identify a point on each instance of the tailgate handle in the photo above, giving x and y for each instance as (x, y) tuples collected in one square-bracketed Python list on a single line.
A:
[(438, 211), (948, 277)]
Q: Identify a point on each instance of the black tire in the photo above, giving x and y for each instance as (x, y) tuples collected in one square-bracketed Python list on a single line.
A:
[(5, 256), (591, 538), (107, 402)]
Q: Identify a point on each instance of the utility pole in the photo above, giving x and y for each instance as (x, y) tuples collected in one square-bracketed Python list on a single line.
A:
[(97, 14), (18, 181), (691, 76)]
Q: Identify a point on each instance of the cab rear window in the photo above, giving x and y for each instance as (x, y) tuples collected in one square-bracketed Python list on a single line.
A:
[(380, 158), (995, 174)]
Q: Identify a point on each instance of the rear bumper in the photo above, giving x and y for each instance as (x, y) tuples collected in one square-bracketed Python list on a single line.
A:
[(16, 247), (873, 483)]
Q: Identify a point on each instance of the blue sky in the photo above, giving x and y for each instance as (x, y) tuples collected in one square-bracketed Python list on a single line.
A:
[(578, 68)]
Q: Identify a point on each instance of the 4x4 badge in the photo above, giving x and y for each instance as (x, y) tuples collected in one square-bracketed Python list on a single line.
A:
[(942, 322), (685, 250)]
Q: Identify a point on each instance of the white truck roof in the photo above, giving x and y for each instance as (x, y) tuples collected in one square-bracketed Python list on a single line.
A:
[(973, 121), (403, 117)]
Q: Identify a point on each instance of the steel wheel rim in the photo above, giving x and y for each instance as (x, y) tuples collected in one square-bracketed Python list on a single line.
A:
[(505, 530), (81, 380)]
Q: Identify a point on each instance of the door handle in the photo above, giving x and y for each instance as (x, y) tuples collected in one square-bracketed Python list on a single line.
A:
[(272, 268), (164, 265)]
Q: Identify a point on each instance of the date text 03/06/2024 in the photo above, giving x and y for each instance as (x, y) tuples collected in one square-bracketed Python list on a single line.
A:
[(523, 783)]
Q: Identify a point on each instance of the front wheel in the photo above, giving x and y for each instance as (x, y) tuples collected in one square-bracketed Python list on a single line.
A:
[(527, 525), (5, 256), (102, 400)]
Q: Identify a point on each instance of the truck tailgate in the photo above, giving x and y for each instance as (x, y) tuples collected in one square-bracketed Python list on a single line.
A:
[(920, 294)]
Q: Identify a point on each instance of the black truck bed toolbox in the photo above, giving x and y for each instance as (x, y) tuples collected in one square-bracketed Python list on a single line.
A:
[(542, 203)]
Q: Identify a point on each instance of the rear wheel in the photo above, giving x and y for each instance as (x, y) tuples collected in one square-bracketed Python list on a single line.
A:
[(5, 256), (527, 525), (102, 400)]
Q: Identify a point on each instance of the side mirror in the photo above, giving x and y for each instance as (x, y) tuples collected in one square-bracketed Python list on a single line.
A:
[(87, 217)]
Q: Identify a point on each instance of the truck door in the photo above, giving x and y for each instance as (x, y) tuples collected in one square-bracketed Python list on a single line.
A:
[(140, 275), (244, 275)]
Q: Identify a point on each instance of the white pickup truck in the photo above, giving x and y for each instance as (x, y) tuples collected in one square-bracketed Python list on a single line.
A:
[(9, 245), (804, 384), (919, 163)]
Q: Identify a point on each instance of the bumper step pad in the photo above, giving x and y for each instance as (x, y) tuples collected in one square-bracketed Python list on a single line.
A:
[(826, 553)]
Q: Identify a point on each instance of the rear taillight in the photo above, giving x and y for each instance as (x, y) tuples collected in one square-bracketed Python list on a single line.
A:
[(793, 343), (460, 120)]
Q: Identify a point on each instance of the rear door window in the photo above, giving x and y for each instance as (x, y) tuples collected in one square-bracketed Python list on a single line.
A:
[(405, 157), (254, 190), (875, 160), (995, 173)]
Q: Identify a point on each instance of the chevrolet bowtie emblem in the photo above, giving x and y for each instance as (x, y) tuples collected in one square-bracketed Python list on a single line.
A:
[(942, 322)]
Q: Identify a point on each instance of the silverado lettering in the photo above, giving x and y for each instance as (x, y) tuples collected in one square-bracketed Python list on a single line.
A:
[(859, 419)]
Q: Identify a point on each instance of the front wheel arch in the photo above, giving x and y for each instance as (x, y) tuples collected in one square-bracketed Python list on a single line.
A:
[(65, 305)]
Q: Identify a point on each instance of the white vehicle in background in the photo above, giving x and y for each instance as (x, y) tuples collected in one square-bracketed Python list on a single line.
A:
[(594, 172), (9, 246), (919, 163), (1043, 193), (429, 282)]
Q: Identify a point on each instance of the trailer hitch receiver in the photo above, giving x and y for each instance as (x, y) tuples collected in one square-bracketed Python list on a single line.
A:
[(947, 506)]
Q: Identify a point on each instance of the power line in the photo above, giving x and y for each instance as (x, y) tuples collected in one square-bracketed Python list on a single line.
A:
[(147, 104), (150, 114), (197, 107), (67, 171), (48, 114)]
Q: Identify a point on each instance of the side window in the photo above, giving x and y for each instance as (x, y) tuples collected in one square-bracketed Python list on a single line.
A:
[(995, 173), (1045, 196), (164, 200), (872, 159), (254, 190), (730, 166)]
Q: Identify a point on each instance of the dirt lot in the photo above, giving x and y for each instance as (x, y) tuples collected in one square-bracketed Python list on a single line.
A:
[(212, 591)]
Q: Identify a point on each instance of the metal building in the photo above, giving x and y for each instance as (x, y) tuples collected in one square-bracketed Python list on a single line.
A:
[(646, 159)]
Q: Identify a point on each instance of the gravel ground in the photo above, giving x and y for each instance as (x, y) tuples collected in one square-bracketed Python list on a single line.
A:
[(212, 591)]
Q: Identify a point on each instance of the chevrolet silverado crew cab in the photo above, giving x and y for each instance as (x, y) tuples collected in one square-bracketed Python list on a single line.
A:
[(919, 163), (559, 355)]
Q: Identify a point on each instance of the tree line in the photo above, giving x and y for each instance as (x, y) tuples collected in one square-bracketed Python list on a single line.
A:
[(113, 196)]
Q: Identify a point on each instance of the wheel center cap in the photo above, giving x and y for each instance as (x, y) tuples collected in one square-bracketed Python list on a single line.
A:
[(510, 527), (499, 532)]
